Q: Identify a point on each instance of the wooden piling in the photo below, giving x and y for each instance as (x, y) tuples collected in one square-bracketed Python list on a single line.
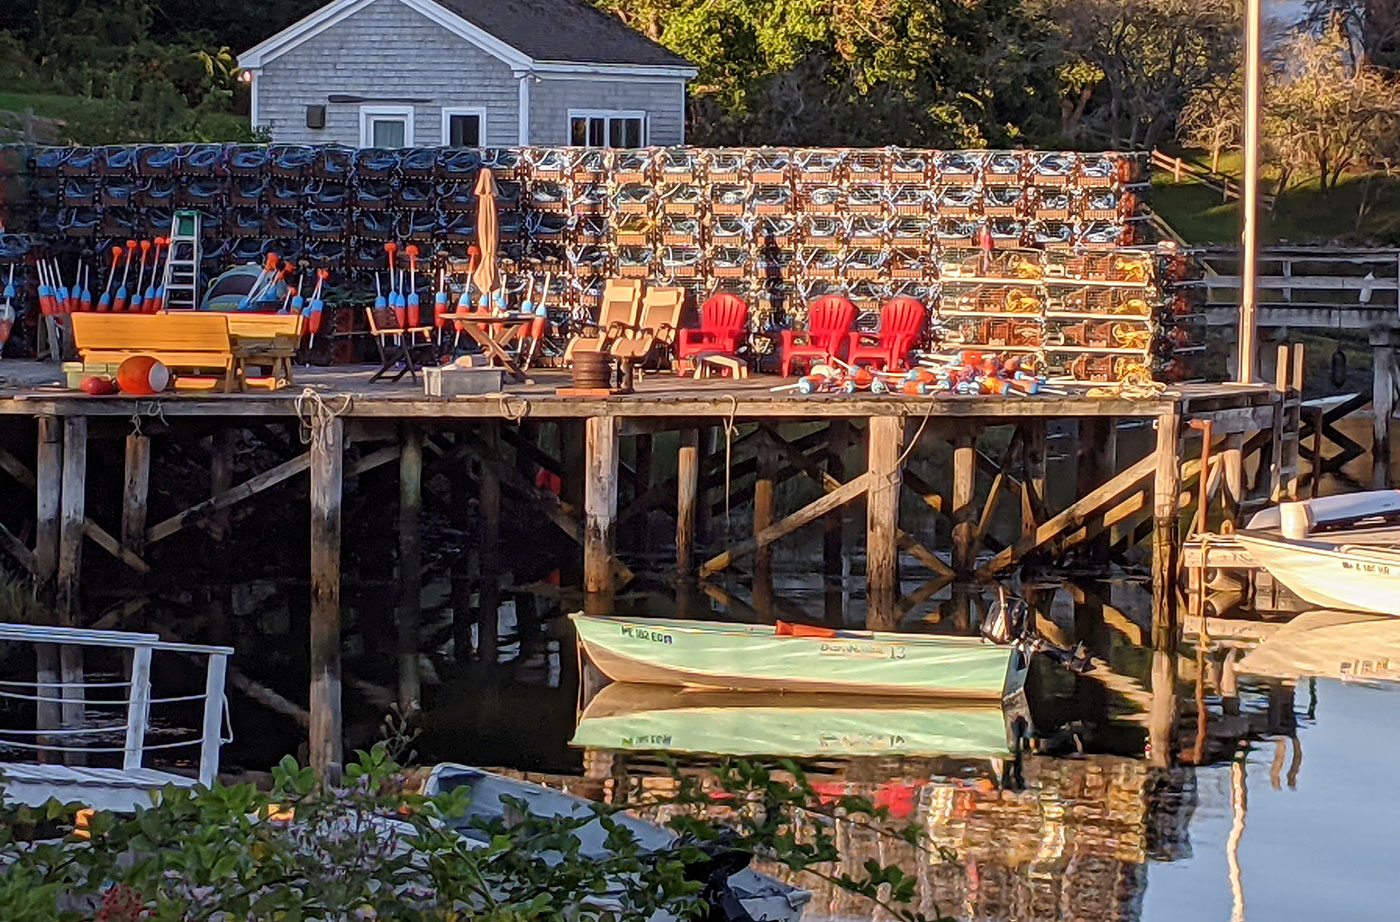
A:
[(68, 597), (1382, 406), (768, 465), (687, 492), (1232, 463), (964, 512), (136, 485), (48, 488), (600, 508), (886, 442), (838, 435), (221, 449), (327, 466), (1034, 504), (410, 563), (1165, 511)]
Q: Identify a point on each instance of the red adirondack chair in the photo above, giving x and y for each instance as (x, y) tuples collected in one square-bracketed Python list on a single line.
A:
[(828, 324), (901, 322), (723, 318)]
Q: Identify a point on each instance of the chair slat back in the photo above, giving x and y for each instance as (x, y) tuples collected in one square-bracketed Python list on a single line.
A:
[(724, 314), (621, 300), (265, 326), (829, 320)]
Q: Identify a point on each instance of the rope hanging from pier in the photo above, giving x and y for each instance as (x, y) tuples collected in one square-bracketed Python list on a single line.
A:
[(315, 413)]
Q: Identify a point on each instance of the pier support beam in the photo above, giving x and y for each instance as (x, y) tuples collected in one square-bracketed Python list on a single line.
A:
[(1383, 406), (410, 563), (48, 488), (68, 598), (488, 625), (687, 492), (838, 436), (600, 509), (886, 441), (136, 485), (327, 468), (762, 518), (1097, 462), (964, 512), (1165, 511), (221, 448)]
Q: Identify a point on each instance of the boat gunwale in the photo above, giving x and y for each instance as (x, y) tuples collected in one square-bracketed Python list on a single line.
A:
[(735, 629)]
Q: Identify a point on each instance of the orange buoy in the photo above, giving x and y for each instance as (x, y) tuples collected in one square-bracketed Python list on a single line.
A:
[(98, 385), (142, 375)]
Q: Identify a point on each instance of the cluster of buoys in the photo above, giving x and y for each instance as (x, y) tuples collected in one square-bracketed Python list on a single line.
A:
[(56, 298), (970, 372), (138, 376)]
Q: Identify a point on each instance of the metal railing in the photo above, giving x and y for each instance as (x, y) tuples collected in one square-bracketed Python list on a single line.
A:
[(47, 690)]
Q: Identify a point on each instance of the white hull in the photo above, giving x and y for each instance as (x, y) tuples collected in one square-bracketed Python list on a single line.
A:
[(1345, 576)]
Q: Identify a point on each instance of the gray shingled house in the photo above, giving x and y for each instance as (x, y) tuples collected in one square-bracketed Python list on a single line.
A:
[(467, 73)]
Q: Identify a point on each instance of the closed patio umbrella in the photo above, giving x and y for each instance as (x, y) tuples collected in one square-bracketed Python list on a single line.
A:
[(486, 277)]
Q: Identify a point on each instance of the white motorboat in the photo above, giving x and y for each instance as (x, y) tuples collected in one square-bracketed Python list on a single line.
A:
[(1333, 551)]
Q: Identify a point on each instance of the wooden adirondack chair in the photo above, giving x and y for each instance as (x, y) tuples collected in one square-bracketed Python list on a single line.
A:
[(723, 318), (828, 324), (901, 322), (660, 318), (618, 313)]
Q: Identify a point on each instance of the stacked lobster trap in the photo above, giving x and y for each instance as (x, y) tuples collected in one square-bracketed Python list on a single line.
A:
[(779, 226)]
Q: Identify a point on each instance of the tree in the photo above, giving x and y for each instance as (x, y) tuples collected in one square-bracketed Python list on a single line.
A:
[(1129, 66), (1326, 113), (1211, 118)]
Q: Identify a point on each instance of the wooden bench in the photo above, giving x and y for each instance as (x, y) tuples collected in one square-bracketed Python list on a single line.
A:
[(266, 339), (191, 341)]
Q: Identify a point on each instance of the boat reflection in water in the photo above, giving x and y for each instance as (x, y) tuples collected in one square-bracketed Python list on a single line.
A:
[(655, 717), (1329, 645)]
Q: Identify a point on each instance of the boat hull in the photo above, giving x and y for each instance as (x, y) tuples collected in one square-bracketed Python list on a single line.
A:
[(753, 657), (1348, 577)]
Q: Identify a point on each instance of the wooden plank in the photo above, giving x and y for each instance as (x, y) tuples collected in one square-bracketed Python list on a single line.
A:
[(1072, 517), (762, 519), (1382, 408), (964, 513), (931, 497), (248, 488), (687, 495), (103, 539), (1166, 491), (410, 564), (16, 549), (600, 503), (48, 489), (221, 447), (327, 457), (886, 442), (808, 513), (136, 484), (138, 708), (72, 517), (12, 466)]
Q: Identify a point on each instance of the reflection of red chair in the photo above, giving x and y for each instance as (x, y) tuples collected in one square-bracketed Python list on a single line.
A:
[(722, 321), (828, 323), (901, 322)]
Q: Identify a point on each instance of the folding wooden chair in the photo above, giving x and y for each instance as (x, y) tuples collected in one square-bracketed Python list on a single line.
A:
[(659, 320), (396, 344), (617, 313)]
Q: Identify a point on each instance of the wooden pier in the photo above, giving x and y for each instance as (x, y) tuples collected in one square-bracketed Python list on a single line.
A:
[(735, 444)]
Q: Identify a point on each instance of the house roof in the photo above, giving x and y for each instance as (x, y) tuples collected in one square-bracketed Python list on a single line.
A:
[(575, 30), (532, 36)]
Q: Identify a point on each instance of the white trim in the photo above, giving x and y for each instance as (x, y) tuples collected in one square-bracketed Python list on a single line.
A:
[(608, 114), (339, 10), (522, 111), (253, 99), (683, 102), (449, 111), (368, 112)]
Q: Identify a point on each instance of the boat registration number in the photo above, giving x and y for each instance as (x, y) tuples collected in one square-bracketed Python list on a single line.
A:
[(870, 650), (1380, 568), (642, 633)]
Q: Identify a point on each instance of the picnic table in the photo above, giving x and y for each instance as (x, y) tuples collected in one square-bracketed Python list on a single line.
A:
[(494, 332)]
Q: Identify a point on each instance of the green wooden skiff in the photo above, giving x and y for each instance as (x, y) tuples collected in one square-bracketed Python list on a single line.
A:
[(704, 654), (653, 717)]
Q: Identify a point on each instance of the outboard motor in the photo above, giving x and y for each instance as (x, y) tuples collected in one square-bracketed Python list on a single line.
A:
[(1006, 621)]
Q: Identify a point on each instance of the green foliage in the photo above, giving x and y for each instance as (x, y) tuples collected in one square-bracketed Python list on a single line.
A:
[(365, 850)]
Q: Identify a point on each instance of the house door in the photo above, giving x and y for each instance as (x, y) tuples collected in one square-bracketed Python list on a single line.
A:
[(386, 126)]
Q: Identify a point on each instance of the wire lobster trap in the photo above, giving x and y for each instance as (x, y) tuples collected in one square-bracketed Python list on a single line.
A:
[(1126, 266), (724, 166), (811, 289), (865, 199), (1098, 171), (681, 230), (590, 228), (633, 198), (867, 295), (1091, 368), (1051, 169), (774, 230), (588, 165), (551, 164), (632, 229), (826, 199), (728, 199), (631, 165), (773, 263), (505, 163), (589, 198), (907, 165), (588, 259), (917, 288), (679, 165), (822, 230), (959, 167), (953, 231), (685, 198), (864, 263), (729, 262), (817, 166), (1004, 201), (682, 262), (910, 230), (819, 262), (1050, 235), (1004, 168), (460, 164), (770, 199), (730, 230), (1133, 337), (957, 201), (976, 297), (1102, 204), (868, 230), (1099, 235), (1052, 205), (1006, 232), (548, 227), (769, 165), (909, 199), (867, 165), (910, 264), (456, 196), (1098, 301), (587, 294), (1010, 334)]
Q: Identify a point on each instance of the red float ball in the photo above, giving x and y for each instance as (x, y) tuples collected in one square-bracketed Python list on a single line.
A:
[(98, 385), (142, 376)]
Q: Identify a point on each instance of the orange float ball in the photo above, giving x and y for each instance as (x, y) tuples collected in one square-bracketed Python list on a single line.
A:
[(142, 376)]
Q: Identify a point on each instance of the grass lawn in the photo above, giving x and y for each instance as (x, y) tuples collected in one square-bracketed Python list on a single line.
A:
[(1304, 214)]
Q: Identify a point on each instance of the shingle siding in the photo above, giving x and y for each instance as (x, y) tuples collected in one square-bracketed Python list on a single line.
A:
[(390, 53), (551, 99), (385, 51)]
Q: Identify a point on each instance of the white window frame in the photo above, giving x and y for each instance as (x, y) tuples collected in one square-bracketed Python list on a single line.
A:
[(449, 111), (368, 114), (609, 114)]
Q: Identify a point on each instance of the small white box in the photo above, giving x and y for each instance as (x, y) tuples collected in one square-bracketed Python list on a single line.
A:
[(449, 381)]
